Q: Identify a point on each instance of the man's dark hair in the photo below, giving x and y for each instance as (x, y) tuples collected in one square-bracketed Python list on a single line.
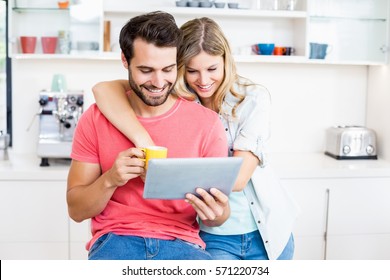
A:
[(158, 28)]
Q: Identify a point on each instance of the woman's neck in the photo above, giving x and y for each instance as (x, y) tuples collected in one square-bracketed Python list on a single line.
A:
[(208, 103)]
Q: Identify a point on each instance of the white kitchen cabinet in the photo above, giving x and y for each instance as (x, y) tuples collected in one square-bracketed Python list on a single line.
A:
[(34, 220), (243, 27), (357, 31), (82, 20), (359, 219), (342, 218), (35, 223), (310, 227), (79, 235)]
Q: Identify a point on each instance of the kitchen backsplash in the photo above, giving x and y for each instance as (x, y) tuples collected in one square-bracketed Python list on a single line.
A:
[(306, 99)]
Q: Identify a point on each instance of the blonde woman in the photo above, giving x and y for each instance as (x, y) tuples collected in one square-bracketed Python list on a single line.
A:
[(260, 224)]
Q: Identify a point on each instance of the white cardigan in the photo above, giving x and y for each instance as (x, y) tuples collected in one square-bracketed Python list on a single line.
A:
[(273, 208)]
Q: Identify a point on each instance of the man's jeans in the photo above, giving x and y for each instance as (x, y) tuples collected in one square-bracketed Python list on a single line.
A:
[(121, 247), (242, 247)]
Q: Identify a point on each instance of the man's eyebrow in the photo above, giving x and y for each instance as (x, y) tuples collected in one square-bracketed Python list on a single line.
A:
[(144, 67), (170, 66), (148, 67)]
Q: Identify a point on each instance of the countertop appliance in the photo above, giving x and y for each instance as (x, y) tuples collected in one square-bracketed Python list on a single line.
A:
[(351, 142), (4, 143), (58, 117)]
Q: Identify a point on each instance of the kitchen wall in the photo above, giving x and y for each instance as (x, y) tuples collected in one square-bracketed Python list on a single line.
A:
[(307, 98), (378, 106)]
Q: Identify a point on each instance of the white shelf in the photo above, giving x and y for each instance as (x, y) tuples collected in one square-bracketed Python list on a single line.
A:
[(113, 56), (88, 56), (286, 28), (225, 12), (29, 10), (336, 17)]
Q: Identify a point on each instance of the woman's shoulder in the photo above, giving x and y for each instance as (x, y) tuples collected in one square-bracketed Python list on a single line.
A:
[(252, 91), (252, 94)]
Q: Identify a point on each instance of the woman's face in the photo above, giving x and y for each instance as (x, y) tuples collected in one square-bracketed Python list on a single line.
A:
[(204, 74)]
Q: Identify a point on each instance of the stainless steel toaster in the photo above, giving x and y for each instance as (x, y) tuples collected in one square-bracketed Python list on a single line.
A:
[(351, 142)]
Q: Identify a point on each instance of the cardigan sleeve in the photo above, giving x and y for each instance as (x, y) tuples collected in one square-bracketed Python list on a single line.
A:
[(254, 128)]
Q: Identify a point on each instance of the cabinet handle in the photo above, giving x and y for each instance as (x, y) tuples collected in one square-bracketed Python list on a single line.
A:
[(326, 223)]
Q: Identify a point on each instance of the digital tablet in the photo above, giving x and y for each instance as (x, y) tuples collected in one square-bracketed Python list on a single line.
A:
[(173, 178)]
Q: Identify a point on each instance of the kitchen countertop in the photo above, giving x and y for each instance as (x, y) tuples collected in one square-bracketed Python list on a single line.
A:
[(286, 165), (319, 165), (25, 167)]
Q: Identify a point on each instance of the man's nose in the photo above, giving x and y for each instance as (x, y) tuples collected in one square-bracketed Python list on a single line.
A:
[(158, 80)]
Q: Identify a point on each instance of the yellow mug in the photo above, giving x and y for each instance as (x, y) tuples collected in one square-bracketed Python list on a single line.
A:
[(154, 152)]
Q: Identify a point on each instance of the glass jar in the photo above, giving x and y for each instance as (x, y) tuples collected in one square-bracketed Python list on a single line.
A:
[(64, 41)]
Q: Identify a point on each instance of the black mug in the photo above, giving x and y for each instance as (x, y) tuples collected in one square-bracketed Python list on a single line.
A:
[(289, 51)]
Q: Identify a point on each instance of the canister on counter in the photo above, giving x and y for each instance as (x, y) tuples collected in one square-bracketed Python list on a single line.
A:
[(4, 143)]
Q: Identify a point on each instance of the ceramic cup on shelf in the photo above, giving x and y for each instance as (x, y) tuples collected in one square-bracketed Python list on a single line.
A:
[(49, 44), (319, 51), (205, 4), (181, 3), (289, 51), (193, 3), (28, 44), (263, 49), (219, 5), (266, 49), (58, 83), (233, 5), (279, 50), (63, 4)]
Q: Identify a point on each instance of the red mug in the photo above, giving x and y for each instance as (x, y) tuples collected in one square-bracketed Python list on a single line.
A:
[(28, 44), (49, 44)]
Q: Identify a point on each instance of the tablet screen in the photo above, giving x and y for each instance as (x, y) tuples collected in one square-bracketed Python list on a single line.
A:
[(172, 178)]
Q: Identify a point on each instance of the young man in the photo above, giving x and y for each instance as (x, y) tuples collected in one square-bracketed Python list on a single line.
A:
[(104, 182)]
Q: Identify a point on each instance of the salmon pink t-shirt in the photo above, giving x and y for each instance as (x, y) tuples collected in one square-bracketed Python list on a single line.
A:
[(187, 130)]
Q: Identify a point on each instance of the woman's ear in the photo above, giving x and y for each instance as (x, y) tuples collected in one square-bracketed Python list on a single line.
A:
[(124, 61)]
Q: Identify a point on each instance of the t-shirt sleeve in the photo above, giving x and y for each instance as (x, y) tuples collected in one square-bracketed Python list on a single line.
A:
[(254, 128), (84, 146)]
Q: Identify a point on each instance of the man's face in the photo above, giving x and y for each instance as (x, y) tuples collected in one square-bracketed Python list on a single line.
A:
[(152, 72)]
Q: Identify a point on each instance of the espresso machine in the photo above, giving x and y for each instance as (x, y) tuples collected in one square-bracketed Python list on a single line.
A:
[(58, 116)]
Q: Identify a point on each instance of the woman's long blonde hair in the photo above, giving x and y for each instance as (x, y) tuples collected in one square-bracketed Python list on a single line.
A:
[(204, 34)]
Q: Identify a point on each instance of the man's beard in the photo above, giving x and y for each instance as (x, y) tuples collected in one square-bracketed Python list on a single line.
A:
[(149, 100)]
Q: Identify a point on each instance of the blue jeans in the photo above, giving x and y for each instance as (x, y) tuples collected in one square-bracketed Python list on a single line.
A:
[(122, 247), (242, 247)]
